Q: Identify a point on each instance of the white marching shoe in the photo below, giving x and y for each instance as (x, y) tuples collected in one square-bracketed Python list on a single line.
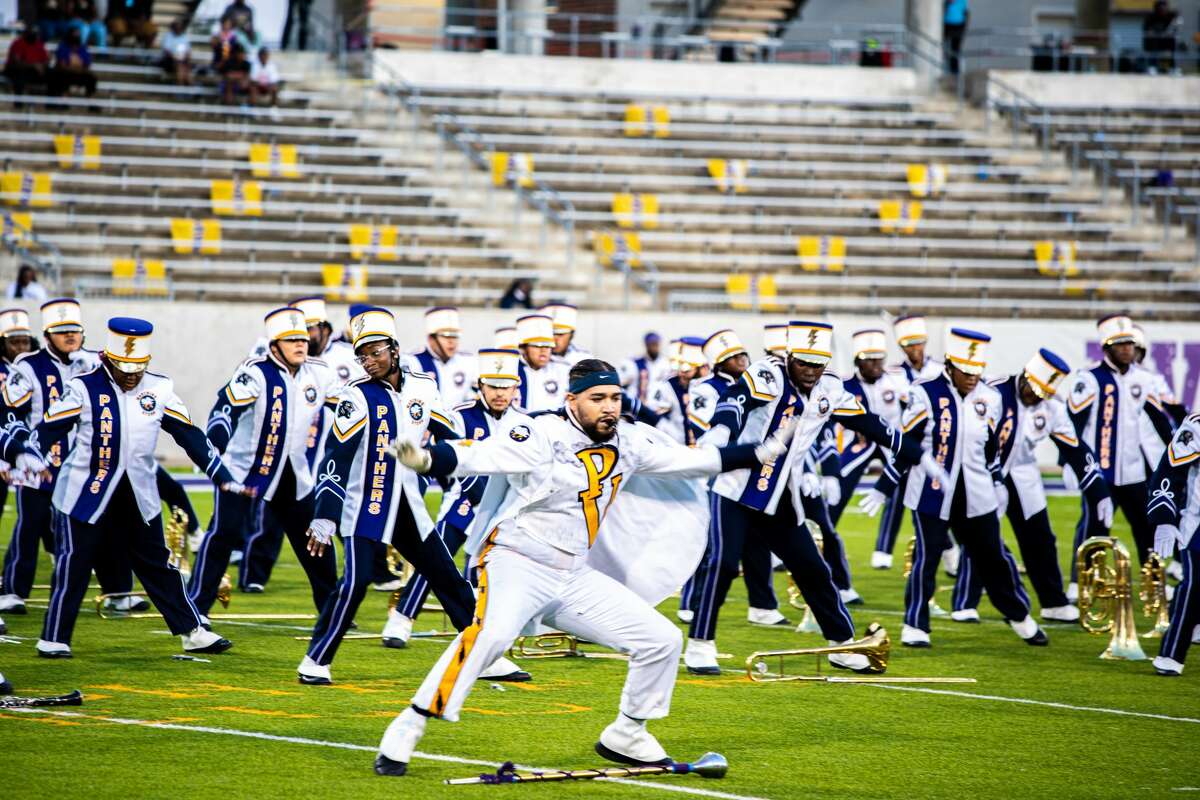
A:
[(398, 630), (1196, 635), (399, 741), (1072, 592), (700, 657), (950, 558), (127, 604), (626, 741), (202, 640), (311, 673), (1167, 667), (881, 560), (12, 604), (765, 616), (850, 597), (46, 649), (388, 586), (1175, 570), (3, 628), (965, 615), (504, 670), (855, 662), (685, 615), (1061, 614), (1029, 630), (914, 637)]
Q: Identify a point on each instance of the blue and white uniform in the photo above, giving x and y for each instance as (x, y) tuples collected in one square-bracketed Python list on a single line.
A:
[(640, 373)]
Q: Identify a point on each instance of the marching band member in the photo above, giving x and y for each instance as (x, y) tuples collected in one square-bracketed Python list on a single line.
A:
[(912, 337), (337, 353), (106, 494), (1174, 407), (543, 380), (390, 402), (765, 501), (669, 400), (261, 423), (956, 415), (879, 391), (505, 338), (815, 489), (1174, 510), (16, 339), (451, 369), (492, 411), (566, 319), (1031, 414), (35, 381), (541, 515), (639, 373), (1117, 414)]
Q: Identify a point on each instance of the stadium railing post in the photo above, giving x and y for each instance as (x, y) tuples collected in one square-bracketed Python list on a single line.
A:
[(1136, 192)]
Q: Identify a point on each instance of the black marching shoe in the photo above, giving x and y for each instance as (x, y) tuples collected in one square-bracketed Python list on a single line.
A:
[(1039, 639), (385, 766)]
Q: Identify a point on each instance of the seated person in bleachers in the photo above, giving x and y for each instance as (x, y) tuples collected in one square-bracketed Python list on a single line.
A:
[(50, 19), (81, 16), (249, 40), (133, 18), (177, 53), (223, 41), (264, 78), (27, 62), (26, 286), (72, 66), (240, 14), (235, 75)]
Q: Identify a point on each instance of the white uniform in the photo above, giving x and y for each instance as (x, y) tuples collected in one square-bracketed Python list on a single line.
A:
[(884, 398), (455, 377), (543, 389), (640, 373), (540, 515), (339, 355), (670, 400), (1116, 426), (905, 371)]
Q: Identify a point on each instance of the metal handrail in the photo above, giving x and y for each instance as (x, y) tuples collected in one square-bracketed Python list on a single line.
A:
[(48, 265)]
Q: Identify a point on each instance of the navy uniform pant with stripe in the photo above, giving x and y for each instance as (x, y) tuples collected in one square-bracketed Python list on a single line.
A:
[(980, 540), (429, 557), (816, 510), (756, 574), (732, 524), (412, 597), (1130, 500), (120, 528), (893, 510), (1039, 552), (232, 516), (1185, 608)]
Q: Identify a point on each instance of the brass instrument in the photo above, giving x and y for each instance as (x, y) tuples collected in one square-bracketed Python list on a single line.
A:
[(546, 645), (175, 534), (909, 554), (808, 623), (1106, 596), (1153, 594), (875, 645)]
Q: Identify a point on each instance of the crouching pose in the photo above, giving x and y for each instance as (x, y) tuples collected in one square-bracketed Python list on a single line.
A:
[(553, 480)]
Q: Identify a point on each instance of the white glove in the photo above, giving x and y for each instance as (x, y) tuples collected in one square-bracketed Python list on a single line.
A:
[(810, 484), (1104, 510), (1001, 499), (833, 490), (411, 454), (934, 470), (1165, 538), (322, 530), (31, 464), (233, 487), (778, 442), (1070, 480), (871, 503)]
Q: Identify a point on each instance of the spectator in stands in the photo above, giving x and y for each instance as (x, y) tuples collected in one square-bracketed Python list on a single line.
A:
[(132, 18), (1159, 30), (177, 53), (298, 11), (50, 19), (27, 61), (251, 42), (72, 66), (240, 14), (223, 42), (235, 75), (519, 294), (955, 16), (26, 285), (264, 78), (81, 16)]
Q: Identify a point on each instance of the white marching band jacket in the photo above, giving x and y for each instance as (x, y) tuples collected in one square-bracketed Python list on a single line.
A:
[(640, 373), (883, 397), (669, 401), (116, 433), (473, 421), (542, 389), (359, 482), (263, 418), (1120, 418), (455, 378), (908, 375), (1174, 497), (703, 397)]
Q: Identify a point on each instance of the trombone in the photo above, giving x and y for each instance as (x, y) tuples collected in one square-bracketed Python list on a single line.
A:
[(876, 646), (1106, 596)]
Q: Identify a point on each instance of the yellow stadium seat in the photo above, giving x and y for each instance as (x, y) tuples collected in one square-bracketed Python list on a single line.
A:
[(273, 160), (747, 292), (374, 241), (635, 120), (926, 180), (662, 121), (635, 210), (237, 198), (31, 189), (821, 253), (139, 277), (345, 283), (77, 151), (1056, 258), (899, 215), (647, 120), (16, 225), (192, 236), (729, 174), (618, 247), (512, 167)]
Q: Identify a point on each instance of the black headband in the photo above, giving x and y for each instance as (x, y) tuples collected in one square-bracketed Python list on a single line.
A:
[(585, 382)]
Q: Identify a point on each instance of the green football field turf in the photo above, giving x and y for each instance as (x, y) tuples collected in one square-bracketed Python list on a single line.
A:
[(1040, 722)]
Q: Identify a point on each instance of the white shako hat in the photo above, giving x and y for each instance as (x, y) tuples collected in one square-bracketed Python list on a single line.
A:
[(373, 324), (313, 309), (499, 367), (62, 315), (910, 330), (775, 338), (442, 321), (128, 344), (869, 343), (535, 330), (967, 350), (565, 316), (691, 352), (810, 341), (673, 348), (14, 322), (1139, 335), (1045, 373), (1115, 329), (505, 338), (722, 345), (285, 323)]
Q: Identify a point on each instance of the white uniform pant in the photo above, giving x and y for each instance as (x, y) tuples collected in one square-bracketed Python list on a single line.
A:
[(576, 599)]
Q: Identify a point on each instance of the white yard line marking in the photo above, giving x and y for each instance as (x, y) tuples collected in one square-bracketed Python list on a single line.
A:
[(1025, 701), (648, 784)]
